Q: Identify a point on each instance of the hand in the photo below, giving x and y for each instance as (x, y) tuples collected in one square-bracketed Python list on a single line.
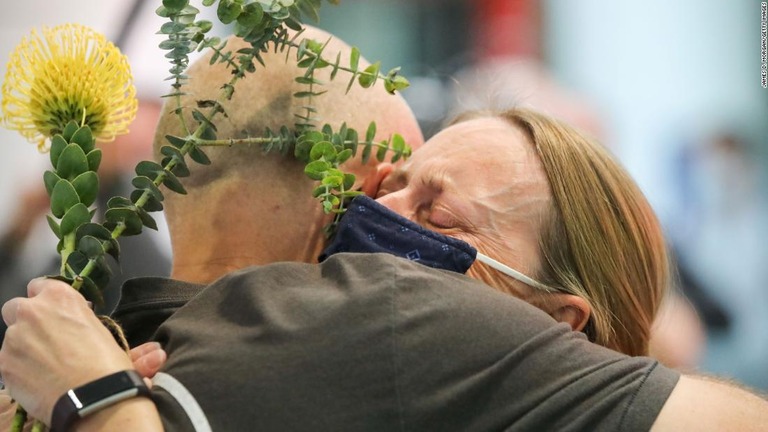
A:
[(147, 359), (54, 342)]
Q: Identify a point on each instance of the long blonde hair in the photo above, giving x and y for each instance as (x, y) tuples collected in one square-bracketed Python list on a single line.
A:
[(601, 240)]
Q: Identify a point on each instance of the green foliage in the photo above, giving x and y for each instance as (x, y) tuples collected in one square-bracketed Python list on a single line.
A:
[(73, 185)]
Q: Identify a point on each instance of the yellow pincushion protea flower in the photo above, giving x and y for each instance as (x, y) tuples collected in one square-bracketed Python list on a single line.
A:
[(70, 73)]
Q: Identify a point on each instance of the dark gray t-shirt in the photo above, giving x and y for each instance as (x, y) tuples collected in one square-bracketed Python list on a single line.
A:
[(376, 343)]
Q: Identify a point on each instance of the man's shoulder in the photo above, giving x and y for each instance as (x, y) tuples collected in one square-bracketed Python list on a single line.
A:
[(352, 267)]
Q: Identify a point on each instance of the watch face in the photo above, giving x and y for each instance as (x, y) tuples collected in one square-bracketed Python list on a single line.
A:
[(100, 389)]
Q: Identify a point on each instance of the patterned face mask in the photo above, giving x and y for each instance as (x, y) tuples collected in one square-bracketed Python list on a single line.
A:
[(369, 227)]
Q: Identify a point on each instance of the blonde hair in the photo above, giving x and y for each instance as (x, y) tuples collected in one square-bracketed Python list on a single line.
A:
[(601, 240)]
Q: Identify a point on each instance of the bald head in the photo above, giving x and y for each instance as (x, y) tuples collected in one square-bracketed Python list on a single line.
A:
[(249, 208), (264, 99)]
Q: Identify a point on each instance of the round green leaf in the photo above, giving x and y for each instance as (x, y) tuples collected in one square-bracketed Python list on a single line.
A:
[(332, 181), (63, 197), (323, 149), (128, 217), (146, 219), (180, 168), (381, 153), (101, 273), (118, 201), (198, 156), (58, 143), (251, 16), (69, 130), (144, 183), (354, 58), (177, 142), (93, 230), (161, 11), (229, 10), (370, 134), (94, 159), (74, 217), (90, 247), (174, 6), (343, 156), (350, 141), (327, 206), (54, 226), (148, 169), (316, 169), (87, 187), (319, 191), (398, 143), (369, 75), (349, 181), (72, 162), (173, 183), (204, 25), (91, 292), (367, 151), (84, 138), (50, 179), (150, 204), (101, 233)]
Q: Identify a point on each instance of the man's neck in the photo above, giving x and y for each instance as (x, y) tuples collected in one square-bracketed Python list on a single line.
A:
[(233, 233)]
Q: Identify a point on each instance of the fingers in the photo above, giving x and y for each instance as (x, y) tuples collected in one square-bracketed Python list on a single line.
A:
[(10, 310), (34, 288), (38, 285), (148, 359), (144, 349)]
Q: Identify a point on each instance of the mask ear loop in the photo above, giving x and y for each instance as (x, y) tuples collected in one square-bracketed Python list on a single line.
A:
[(509, 271)]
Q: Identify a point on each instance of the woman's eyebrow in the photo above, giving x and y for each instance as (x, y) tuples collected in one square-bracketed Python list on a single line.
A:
[(399, 177), (432, 181)]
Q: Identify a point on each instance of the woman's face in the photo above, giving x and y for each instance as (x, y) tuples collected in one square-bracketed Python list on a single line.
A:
[(482, 182)]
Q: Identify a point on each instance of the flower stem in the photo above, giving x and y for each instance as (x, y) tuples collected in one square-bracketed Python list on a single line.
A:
[(69, 247), (38, 426), (19, 419), (231, 141), (192, 141)]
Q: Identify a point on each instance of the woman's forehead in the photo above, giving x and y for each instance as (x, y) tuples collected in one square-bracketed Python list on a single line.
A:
[(484, 143)]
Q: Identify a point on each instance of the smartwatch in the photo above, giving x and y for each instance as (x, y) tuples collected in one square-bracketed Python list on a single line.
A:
[(89, 398)]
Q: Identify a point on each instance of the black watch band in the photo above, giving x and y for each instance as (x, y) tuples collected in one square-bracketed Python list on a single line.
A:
[(89, 398)]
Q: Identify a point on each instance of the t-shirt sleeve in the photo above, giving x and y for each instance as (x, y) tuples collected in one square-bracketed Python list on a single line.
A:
[(471, 358)]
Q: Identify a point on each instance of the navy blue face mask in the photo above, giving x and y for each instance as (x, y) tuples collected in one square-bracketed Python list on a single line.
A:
[(369, 227)]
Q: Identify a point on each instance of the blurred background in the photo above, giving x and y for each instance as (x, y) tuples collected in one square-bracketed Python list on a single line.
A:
[(672, 88)]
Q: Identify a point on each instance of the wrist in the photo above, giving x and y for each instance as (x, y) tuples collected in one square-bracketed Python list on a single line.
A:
[(135, 414), (94, 396)]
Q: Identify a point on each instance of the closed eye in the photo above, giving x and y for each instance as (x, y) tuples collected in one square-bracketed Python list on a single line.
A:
[(442, 218)]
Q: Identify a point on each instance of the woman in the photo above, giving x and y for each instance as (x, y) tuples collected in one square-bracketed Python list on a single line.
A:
[(534, 194)]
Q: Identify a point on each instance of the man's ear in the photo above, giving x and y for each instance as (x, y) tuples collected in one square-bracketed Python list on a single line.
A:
[(570, 309), (372, 183)]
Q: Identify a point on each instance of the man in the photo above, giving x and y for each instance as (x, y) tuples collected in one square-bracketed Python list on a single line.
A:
[(360, 342), (247, 208)]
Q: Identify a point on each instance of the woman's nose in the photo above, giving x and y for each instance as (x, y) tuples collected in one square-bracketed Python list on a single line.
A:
[(398, 202)]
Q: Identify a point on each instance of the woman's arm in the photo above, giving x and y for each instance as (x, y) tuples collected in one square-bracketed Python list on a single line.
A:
[(55, 343), (137, 414)]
